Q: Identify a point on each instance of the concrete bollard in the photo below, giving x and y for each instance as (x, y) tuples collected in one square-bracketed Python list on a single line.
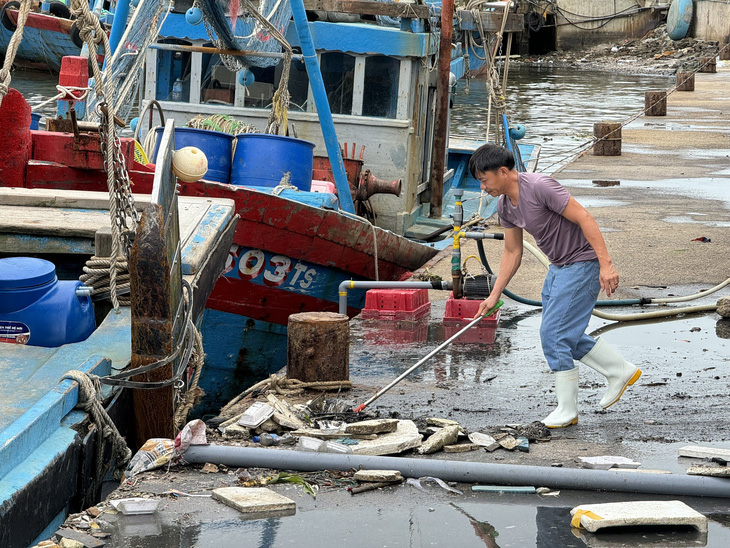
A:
[(655, 103), (708, 64), (608, 135), (685, 81)]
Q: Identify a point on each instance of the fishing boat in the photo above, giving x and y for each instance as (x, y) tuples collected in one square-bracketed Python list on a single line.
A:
[(293, 247), (56, 338), (48, 35)]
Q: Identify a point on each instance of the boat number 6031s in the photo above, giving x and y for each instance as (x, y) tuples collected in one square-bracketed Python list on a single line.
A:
[(274, 269)]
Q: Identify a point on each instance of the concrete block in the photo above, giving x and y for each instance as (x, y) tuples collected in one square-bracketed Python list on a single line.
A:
[(405, 437), (702, 452), (445, 436), (375, 426), (645, 512), (378, 475), (255, 500), (87, 541), (461, 448), (714, 471), (606, 462), (484, 440)]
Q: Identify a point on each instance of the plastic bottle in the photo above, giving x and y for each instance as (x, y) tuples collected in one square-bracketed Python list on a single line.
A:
[(177, 90)]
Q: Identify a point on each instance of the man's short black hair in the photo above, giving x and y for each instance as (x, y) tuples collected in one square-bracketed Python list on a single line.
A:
[(490, 158)]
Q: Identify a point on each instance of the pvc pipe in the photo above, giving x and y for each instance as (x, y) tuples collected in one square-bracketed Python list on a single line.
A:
[(121, 12), (352, 284), (323, 107), (468, 472), (483, 235)]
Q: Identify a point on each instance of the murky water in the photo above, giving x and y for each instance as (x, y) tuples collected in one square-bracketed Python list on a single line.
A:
[(558, 106)]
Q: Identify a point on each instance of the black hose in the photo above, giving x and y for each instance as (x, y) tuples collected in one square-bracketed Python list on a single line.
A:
[(533, 302), (513, 296)]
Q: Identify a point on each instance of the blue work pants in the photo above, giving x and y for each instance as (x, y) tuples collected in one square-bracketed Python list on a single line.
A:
[(568, 297)]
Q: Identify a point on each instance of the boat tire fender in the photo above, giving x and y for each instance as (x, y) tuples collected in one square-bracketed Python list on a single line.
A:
[(5, 19), (60, 10), (76, 36)]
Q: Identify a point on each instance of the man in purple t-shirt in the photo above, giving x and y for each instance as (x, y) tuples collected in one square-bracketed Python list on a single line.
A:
[(580, 268)]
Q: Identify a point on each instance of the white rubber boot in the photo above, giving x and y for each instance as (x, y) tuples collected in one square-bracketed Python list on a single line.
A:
[(619, 373), (566, 389)]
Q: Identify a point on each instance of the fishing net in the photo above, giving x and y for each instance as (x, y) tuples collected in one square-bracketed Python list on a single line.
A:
[(124, 72), (249, 32)]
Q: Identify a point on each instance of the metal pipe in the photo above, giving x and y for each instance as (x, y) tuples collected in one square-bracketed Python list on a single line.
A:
[(219, 51), (456, 248), (352, 284), (468, 472), (323, 107), (483, 235), (441, 122)]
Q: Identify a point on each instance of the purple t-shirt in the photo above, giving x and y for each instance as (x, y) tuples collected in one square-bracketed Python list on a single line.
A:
[(539, 209)]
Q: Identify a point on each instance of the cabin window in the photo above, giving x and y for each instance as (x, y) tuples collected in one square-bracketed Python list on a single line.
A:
[(381, 87), (338, 72)]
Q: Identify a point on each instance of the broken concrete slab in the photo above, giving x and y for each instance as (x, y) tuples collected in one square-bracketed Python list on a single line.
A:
[(375, 426), (237, 432), (507, 441), (378, 476), (461, 448), (405, 437), (714, 471), (702, 452), (484, 440), (593, 517), (445, 436), (284, 413), (70, 543), (87, 541), (255, 500), (605, 462)]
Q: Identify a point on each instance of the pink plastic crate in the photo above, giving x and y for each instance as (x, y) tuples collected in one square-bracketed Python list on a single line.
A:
[(323, 186), (396, 304), (465, 309)]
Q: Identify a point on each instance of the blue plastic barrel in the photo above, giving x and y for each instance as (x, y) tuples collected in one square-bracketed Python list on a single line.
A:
[(264, 160), (35, 117), (216, 145), (37, 309)]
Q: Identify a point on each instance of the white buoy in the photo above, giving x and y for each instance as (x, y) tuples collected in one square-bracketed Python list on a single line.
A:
[(189, 164)]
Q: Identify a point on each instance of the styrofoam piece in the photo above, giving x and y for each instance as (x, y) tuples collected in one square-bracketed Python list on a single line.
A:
[(257, 500), (256, 414), (593, 517), (135, 506), (606, 462), (701, 452)]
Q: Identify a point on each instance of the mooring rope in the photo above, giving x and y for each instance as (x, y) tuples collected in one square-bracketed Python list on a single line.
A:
[(97, 276)]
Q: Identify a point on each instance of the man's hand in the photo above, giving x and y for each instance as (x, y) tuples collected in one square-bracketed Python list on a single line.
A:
[(609, 279), (487, 304)]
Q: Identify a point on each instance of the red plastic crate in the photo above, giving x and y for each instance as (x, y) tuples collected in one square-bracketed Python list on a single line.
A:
[(396, 332), (476, 335), (396, 304), (465, 309)]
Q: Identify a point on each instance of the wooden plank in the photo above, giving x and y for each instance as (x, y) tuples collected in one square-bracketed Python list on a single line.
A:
[(57, 222), (196, 69), (358, 85), (24, 243), (404, 89), (391, 9), (150, 90)]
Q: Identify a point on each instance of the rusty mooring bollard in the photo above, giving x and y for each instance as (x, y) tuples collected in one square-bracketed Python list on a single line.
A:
[(608, 135), (708, 64), (318, 347), (724, 53), (685, 81), (655, 103)]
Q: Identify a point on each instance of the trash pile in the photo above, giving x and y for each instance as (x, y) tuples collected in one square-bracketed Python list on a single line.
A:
[(330, 426), (655, 52)]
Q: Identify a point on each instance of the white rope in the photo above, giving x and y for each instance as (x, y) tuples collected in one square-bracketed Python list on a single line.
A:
[(63, 92), (12, 49)]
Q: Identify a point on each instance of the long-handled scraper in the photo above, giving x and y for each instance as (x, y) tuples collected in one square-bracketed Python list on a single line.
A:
[(423, 360)]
